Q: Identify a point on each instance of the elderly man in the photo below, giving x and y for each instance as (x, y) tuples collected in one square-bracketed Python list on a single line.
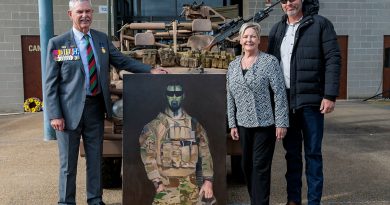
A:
[(77, 96)]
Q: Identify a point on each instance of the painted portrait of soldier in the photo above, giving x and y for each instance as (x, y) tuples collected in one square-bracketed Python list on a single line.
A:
[(173, 146), (175, 149)]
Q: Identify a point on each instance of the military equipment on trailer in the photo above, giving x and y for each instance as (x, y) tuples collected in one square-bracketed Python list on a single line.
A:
[(232, 28), (201, 11)]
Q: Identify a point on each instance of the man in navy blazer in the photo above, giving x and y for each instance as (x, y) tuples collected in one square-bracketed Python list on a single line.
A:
[(73, 109)]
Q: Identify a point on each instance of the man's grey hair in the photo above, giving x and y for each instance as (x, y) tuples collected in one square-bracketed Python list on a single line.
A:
[(72, 3), (253, 25)]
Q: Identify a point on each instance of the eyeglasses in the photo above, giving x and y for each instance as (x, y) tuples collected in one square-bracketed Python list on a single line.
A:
[(174, 93), (285, 1)]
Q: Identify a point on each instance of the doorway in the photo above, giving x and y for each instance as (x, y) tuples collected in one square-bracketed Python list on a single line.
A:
[(31, 58), (386, 67)]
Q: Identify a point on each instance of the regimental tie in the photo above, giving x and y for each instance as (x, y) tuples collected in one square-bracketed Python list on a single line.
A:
[(93, 85)]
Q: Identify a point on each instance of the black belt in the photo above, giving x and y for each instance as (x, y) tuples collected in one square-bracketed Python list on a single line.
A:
[(94, 96)]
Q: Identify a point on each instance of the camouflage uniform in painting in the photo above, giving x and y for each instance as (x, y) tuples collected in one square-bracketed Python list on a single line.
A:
[(173, 151)]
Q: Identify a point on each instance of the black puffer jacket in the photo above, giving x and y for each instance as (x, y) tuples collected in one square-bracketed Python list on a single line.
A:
[(315, 61)]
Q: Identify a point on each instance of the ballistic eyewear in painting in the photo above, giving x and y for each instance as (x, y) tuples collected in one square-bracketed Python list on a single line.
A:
[(172, 93), (285, 1)]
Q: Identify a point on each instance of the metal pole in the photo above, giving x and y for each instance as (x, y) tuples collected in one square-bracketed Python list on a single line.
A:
[(46, 32), (174, 25), (109, 19), (114, 12), (176, 14), (139, 11)]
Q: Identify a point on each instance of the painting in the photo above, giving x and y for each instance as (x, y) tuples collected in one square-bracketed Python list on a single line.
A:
[(174, 139)]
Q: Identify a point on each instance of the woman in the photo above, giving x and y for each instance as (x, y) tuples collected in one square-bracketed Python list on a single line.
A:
[(250, 79)]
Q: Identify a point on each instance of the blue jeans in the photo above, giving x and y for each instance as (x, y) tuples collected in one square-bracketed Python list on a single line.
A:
[(307, 125)]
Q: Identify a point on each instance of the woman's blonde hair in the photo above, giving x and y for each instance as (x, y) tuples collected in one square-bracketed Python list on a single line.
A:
[(253, 25)]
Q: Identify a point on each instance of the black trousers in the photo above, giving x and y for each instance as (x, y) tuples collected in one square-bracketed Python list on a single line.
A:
[(258, 145)]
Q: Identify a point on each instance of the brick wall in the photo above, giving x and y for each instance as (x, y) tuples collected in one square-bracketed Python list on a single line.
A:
[(21, 18), (365, 23)]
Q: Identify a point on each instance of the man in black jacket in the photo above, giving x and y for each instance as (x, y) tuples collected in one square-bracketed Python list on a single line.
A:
[(306, 45)]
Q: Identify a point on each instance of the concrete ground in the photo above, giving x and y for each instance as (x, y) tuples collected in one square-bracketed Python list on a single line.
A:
[(356, 151)]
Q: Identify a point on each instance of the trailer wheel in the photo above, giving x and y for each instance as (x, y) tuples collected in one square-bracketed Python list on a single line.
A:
[(111, 172)]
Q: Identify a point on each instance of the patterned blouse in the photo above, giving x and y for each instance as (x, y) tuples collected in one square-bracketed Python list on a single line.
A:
[(248, 96)]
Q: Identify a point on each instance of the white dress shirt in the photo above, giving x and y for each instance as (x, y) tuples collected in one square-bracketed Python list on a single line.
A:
[(82, 45), (286, 50)]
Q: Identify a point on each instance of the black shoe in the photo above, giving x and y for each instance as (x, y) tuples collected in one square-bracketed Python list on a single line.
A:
[(100, 203), (293, 203)]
